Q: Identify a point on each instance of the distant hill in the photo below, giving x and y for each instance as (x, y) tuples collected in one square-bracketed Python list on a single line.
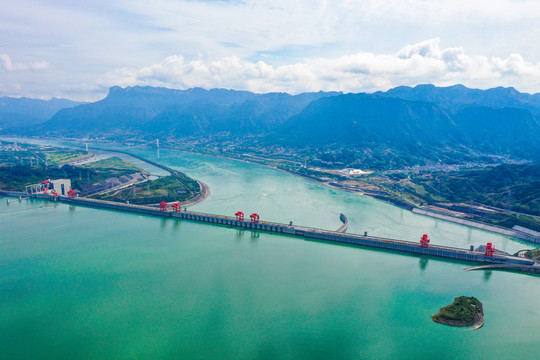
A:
[(178, 113), (376, 123), (369, 120), (455, 98), (131, 109), (498, 120), (23, 111), (507, 130)]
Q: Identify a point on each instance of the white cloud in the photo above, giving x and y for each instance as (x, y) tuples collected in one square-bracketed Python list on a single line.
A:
[(9, 65), (82, 41), (424, 62)]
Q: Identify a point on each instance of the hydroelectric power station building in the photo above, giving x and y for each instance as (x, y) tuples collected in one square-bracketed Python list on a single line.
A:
[(60, 186)]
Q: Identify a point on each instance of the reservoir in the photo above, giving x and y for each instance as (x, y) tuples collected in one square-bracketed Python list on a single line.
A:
[(84, 283)]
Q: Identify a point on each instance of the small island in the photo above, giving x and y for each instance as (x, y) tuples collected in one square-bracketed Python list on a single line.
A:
[(463, 312)]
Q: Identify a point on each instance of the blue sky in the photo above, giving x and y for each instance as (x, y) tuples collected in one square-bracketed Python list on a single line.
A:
[(78, 49)]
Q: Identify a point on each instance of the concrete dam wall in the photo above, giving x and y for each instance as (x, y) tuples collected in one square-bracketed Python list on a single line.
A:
[(306, 232)]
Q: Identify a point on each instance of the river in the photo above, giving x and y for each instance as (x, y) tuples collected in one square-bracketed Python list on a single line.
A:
[(83, 283)]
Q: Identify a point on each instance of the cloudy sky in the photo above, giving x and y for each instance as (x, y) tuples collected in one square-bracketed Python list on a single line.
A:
[(79, 48)]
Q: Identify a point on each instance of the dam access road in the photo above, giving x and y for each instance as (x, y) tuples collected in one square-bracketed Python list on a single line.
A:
[(483, 261)]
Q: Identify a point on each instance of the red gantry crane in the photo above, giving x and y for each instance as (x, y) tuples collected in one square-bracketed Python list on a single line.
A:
[(163, 206), (176, 207), (490, 249), (45, 185), (424, 241), (254, 218), (239, 215)]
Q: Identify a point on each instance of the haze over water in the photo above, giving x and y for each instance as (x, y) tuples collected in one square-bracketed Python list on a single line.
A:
[(82, 283)]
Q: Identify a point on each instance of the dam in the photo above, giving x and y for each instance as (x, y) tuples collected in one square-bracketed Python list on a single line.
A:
[(481, 258)]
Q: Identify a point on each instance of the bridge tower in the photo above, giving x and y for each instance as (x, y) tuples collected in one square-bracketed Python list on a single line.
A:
[(239, 215), (254, 218), (424, 241), (163, 206), (490, 249)]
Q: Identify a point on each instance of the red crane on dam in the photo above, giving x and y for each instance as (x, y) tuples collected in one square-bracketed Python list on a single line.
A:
[(239, 215), (254, 218), (424, 241), (163, 206), (176, 207), (71, 193), (490, 249)]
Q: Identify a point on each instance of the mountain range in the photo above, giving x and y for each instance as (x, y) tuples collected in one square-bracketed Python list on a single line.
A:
[(457, 97), (421, 121), (16, 112)]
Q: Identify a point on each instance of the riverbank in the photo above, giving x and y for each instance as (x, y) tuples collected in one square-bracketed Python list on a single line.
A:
[(204, 188), (514, 232), (368, 190), (204, 194)]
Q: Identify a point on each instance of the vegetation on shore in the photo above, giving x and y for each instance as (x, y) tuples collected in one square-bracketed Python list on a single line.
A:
[(18, 176), (112, 167), (508, 186), (464, 311), (62, 156), (34, 155), (533, 254), (15, 178), (176, 187)]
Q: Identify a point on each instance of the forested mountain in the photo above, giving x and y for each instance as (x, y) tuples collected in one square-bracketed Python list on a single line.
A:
[(455, 98), (23, 111), (507, 130), (499, 186), (362, 118), (178, 113), (411, 127)]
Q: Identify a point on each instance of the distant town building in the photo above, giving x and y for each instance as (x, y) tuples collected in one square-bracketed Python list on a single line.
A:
[(60, 186), (349, 171)]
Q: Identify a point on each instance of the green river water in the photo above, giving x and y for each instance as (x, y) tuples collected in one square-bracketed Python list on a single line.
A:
[(84, 283)]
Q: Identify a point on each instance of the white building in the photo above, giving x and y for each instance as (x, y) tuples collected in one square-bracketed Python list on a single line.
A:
[(61, 186), (349, 171)]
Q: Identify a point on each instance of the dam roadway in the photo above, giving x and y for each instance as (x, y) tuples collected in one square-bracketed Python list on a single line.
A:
[(520, 263)]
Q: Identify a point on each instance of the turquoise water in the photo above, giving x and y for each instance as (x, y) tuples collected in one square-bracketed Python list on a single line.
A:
[(83, 283)]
